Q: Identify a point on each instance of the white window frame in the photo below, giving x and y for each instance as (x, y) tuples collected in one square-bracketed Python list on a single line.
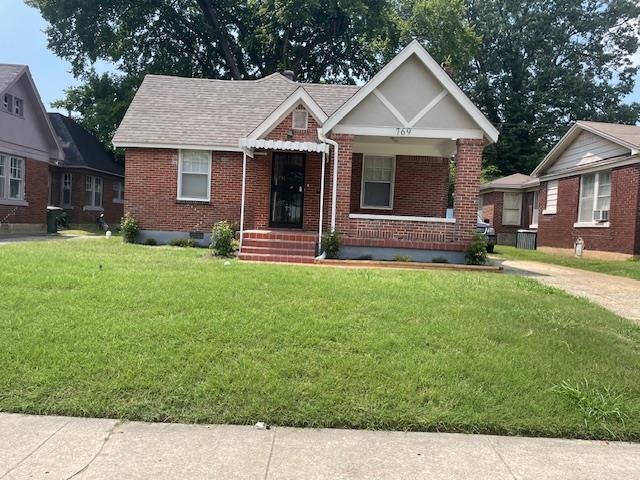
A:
[(118, 188), (518, 195), (535, 210), (180, 173), (391, 188), (94, 180), (552, 185), (594, 201), (62, 189), (306, 119), (7, 176), (7, 102)]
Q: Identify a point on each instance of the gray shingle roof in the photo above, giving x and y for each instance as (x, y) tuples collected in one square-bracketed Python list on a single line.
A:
[(8, 74), (201, 112), (81, 148), (515, 181)]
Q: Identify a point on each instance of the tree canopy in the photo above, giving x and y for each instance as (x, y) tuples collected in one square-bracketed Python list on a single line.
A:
[(532, 66)]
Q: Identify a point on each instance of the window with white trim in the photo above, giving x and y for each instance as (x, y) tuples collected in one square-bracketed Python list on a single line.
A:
[(65, 192), (194, 175), (595, 194), (13, 104), (535, 214), (377, 182), (552, 197), (7, 102), (300, 119), (118, 192), (93, 192), (511, 208), (11, 177)]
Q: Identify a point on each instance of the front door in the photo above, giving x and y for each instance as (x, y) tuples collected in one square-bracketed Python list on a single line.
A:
[(287, 190)]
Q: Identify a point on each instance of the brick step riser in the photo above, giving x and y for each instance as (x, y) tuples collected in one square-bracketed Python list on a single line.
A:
[(279, 251), (290, 237), (275, 258), (279, 244)]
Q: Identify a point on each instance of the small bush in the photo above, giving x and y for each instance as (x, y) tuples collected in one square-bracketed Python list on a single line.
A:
[(151, 242), (402, 258), (183, 242), (365, 257), (331, 244), (223, 240), (129, 227), (439, 260), (476, 252)]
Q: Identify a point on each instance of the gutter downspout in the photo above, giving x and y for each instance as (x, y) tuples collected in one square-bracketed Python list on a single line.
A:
[(334, 192)]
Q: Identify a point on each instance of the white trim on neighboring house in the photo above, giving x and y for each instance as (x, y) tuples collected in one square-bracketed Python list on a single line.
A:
[(414, 48), (606, 164), (551, 208), (391, 186), (179, 196), (448, 133), (299, 97), (566, 141), (177, 146), (400, 218)]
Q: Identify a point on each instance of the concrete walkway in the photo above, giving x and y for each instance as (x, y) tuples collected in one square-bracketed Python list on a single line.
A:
[(43, 447), (619, 294)]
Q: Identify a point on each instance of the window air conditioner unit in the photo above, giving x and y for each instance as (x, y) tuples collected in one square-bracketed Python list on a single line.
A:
[(600, 215)]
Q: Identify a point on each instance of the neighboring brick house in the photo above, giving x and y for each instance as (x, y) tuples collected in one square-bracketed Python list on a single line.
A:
[(27, 145), (288, 161), (510, 204), (590, 189), (88, 182)]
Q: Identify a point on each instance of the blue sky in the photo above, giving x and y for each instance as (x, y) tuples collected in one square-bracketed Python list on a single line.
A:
[(22, 41)]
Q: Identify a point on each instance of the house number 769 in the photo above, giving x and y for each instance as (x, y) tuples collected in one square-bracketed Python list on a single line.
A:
[(403, 131)]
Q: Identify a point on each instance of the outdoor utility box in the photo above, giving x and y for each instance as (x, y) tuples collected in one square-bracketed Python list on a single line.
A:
[(53, 214), (527, 239)]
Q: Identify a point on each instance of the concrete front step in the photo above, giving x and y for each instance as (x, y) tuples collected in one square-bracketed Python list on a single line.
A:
[(268, 257)]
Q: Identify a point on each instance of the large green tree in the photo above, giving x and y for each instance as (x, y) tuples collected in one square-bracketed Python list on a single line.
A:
[(546, 63)]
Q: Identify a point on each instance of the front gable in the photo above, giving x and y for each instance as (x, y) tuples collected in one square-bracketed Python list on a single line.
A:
[(411, 96)]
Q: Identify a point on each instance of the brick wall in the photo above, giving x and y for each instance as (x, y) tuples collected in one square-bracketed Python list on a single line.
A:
[(421, 186), (281, 131), (467, 188), (492, 205), (36, 191), (622, 236)]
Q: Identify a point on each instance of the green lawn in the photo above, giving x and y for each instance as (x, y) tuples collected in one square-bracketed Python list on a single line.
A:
[(98, 328), (622, 268)]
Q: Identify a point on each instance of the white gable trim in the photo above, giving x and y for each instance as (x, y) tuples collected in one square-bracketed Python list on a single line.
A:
[(592, 167), (568, 139), (414, 48), (396, 113), (300, 96)]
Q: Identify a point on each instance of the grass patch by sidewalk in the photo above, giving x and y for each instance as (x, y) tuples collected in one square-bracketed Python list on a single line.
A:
[(621, 268), (101, 328)]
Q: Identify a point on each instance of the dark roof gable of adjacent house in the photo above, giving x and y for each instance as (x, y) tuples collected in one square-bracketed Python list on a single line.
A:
[(517, 181), (81, 148)]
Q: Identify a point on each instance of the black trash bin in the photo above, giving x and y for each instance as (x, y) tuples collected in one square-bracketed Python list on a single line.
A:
[(53, 214)]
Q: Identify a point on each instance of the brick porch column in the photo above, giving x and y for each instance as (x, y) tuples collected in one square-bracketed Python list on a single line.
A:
[(343, 198), (465, 204)]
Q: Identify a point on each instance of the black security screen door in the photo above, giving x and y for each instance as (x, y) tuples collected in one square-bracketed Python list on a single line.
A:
[(287, 190)]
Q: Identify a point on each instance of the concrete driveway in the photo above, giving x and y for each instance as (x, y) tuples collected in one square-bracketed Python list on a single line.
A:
[(619, 294), (42, 447)]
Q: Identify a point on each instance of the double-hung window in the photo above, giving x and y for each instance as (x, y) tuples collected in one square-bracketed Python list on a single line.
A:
[(11, 177), (65, 193), (194, 175), (595, 197), (118, 192), (93, 192), (377, 182), (512, 208)]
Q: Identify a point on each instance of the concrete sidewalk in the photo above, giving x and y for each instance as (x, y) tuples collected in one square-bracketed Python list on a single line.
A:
[(38, 447)]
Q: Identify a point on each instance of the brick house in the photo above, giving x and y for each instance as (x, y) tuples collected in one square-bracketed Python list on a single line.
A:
[(510, 204), (88, 181), (288, 161), (590, 189), (27, 145)]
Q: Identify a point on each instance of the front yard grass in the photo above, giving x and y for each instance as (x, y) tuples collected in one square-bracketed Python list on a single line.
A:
[(622, 268), (100, 328)]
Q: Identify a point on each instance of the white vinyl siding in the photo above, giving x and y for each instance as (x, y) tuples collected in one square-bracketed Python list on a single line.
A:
[(586, 149), (65, 194), (511, 208), (93, 192), (595, 194), (552, 197), (377, 182), (194, 175)]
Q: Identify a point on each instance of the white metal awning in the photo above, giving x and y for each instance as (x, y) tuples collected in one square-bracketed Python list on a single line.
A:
[(283, 145)]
